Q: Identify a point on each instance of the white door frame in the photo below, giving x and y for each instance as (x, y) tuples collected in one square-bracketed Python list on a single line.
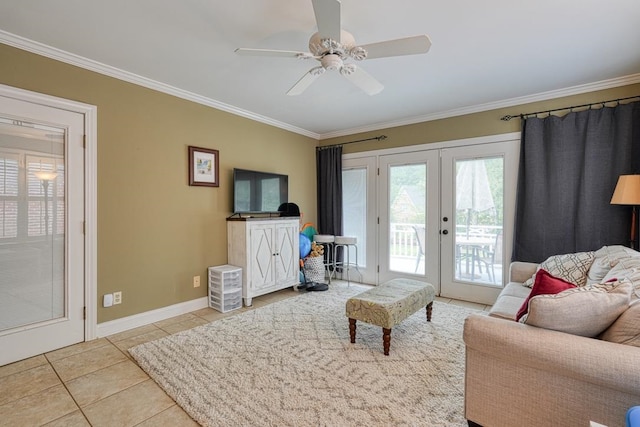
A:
[(90, 113)]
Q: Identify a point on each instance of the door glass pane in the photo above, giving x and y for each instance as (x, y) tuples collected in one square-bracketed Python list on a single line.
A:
[(354, 210), (407, 218), (32, 209), (479, 220)]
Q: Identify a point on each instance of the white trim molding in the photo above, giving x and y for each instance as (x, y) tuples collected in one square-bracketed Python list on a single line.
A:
[(107, 70), (91, 221), (141, 319), (98, 67), (543, 96)]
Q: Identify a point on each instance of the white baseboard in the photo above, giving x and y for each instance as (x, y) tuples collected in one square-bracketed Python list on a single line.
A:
[(141, 319)]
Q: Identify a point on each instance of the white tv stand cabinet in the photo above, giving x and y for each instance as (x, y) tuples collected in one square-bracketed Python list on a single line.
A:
[(268, 251)]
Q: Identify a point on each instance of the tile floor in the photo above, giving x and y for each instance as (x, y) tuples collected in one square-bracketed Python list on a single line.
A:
[(96, 383)]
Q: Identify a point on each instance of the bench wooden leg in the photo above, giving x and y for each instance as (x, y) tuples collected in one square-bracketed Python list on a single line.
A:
[(352, 330), (386, 340), (429, 310)]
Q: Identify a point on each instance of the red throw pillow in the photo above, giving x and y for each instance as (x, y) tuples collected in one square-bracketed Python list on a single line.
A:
[(544, 284)]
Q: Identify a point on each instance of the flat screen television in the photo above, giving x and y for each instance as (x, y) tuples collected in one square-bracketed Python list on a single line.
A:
[(258, 192)]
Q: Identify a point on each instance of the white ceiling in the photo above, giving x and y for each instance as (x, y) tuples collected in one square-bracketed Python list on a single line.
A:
[(485, 54)]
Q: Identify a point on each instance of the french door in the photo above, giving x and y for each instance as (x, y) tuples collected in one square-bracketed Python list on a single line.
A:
[(477, 207), (443, 214), (41, 228), (409, 217)]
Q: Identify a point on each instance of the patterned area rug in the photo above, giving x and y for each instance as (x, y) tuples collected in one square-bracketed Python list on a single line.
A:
[(291, 364)]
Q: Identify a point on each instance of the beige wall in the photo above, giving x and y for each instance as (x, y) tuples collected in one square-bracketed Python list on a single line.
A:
[(155, 232), (472, 125)]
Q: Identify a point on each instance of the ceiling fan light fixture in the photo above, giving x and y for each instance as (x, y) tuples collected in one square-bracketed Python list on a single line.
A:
[(331, 61)]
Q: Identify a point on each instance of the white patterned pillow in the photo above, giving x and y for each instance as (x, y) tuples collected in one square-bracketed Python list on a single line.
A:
[(571, 267)]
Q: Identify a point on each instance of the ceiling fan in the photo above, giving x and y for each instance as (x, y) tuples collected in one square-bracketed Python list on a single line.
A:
[(332, 46)]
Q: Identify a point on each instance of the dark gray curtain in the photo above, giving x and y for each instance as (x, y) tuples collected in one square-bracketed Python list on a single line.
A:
[(569, 167), (329, 190)]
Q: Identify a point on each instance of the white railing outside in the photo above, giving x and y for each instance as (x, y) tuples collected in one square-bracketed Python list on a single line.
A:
[(404, 248), (403, 241)]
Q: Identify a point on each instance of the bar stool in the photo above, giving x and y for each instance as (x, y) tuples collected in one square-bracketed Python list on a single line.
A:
[(327, 241), (345, 242)]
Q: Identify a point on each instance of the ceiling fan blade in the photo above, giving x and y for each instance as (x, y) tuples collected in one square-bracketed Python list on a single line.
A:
[(364, 81), (271, 52), (406, 46), (306, 80), (328, 18)]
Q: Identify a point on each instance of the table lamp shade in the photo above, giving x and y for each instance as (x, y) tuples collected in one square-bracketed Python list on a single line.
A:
[(627, 191)]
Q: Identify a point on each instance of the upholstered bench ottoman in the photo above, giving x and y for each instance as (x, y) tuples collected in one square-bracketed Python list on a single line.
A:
[(389, 304)]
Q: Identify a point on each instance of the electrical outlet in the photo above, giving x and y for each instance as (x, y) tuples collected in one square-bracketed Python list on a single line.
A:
[(117, 297), (196, 281)]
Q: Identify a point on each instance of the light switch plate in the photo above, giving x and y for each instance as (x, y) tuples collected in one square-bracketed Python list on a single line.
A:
[(107, 300)]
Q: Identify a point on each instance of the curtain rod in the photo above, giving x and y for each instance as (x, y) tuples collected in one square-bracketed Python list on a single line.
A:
[(378, 138), (523, 115)]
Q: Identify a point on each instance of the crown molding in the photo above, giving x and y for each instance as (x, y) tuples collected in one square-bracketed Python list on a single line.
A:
[(512, 102), (98, 67), (107, 70)]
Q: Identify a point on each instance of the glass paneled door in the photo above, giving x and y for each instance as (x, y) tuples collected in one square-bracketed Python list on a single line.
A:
[(408, 231), (478, 199), (41, 240)]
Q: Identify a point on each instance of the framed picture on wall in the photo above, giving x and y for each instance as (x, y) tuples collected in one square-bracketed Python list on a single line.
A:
[(203, 167)]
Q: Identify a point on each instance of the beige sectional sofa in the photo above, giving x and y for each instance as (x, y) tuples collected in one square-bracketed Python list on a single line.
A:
[(523, 375)]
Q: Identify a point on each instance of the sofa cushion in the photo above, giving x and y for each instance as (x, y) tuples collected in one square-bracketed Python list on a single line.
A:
[(509, 301), (571, 267), (585, 311), (544, 284), (606, 258), (626, 329)]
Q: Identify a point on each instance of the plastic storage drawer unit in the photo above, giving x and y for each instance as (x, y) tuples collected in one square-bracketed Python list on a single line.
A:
[(225, 287)]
